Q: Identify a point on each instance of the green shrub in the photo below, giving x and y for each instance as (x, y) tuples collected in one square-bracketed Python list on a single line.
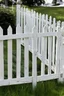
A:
[(3, 2), (7, 18), (33, 2)]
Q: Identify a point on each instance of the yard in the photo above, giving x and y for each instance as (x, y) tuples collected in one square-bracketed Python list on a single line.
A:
[(47, 88), (55, 12)]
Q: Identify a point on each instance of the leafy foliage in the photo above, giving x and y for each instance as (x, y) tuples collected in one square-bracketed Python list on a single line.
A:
[(7, 18), (33, 2), (6, 2)]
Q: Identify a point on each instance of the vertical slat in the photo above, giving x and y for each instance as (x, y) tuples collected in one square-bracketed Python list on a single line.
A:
[(18, 14), (18, 57), (42, 50), (39, 46), (49, 55), (45, 40), (58, 49), (49, 48), (26, 46), (53, 56), (34, 18), (62, 54), (9, 54), (37, 22), (22, 19), (59, 54), (26, 56), (37, 27), (1, 57), (24, 16), (22, 22), (34, 60)]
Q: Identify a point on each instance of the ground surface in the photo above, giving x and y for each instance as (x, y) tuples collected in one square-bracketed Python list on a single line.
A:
[(48, 88), (55, 12)]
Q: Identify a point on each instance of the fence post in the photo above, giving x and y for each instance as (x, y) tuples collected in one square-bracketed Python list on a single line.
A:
[(61, 78), (26, 54), (34, 60), (1, 56), (9, 54), (53, 52), (59, 53), (18, 52)]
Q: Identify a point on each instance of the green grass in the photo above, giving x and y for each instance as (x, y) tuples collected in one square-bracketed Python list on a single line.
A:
[(55, 12), (47, 88)]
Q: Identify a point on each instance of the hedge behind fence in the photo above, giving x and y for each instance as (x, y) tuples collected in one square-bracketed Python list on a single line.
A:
[(7, 17)]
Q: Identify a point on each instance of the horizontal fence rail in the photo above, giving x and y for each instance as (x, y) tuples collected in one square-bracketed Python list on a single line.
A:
[(34, 53)]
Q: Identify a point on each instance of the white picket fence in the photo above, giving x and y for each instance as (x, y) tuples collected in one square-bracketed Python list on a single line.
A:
[(43, 37)]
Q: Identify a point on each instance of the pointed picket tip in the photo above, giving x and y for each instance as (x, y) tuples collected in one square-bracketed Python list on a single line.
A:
[(50, 17), (62, 31), (9, 27), (62, 25), (47, 17), (54, 20), (18, 28), (1, 31), (40, 14), (58, 23), (43, 15), (9, 30), (32, 11), (18, 25), (24, 9)]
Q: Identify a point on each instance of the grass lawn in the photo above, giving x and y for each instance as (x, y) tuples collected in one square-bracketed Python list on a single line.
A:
[(47, 88), (55, 12)]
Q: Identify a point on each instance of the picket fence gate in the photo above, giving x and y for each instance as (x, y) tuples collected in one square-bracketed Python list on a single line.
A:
[(44, 38)]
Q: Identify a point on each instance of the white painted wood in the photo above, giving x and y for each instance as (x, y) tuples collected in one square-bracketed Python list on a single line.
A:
[(15, 81), (26, 56), (28, 35), (39, 46), (49, 54), (53, 54), (24, 16), (9, 54), (18, 52), (34, 60), (47, 77), (22, 19), (61, 75), (42, 50), (1, 56), (35, 38), (18, 14), (62, 51), (45, 41), (49, 48), (34, 19), (58, 49)]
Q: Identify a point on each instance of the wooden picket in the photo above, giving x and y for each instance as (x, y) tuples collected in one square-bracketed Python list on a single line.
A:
[(43, 37), (1, 57), (9, 54)]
